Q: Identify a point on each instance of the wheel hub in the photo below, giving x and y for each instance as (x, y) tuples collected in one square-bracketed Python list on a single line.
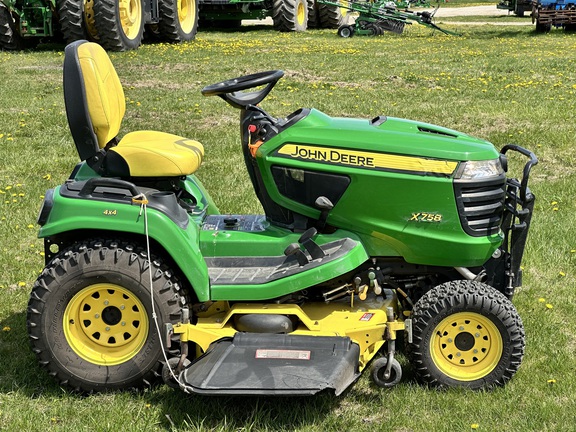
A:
[(466, 346), (105, 324)]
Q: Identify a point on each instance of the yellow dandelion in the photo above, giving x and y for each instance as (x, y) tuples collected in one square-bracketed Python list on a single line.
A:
[(562, 274), (474, 426), (549, 306), (21, 284), (6, 328), (551, 381), (541, 300)]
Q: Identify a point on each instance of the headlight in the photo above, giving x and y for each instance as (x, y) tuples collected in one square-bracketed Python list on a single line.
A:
[(473, 170)]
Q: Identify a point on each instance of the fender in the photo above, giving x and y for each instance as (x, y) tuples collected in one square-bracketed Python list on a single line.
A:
[(64, 215)]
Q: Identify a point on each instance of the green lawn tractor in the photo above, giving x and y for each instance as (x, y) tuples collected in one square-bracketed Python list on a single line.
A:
[(378, 235)]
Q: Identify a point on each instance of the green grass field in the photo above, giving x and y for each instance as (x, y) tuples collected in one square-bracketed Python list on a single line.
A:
[(504, 84)]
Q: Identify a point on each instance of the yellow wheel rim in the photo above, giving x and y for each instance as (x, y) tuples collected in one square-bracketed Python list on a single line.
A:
[(89, 18), (186, 14), (466, 346), (301, 13), (130, 17), (105, 324)]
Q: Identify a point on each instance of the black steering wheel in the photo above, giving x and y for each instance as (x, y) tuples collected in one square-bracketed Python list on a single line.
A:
[(231, 90)]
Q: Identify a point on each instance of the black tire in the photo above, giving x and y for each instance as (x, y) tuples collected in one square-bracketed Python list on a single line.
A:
[(332, 17), (377, 372), (290, 15), (313, 19), (10, 39), (466, 334), (71, 19), (375, 29), (346, 31), (119, 30), (178, 25), (100, 290), (543, 28)]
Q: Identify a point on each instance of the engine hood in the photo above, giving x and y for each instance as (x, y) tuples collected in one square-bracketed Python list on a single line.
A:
[(388, 135)]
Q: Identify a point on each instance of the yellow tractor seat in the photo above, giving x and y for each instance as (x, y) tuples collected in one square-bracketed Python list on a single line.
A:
[(95, 107)]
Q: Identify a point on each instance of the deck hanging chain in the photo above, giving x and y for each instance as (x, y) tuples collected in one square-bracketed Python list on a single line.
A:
[(143, 201)]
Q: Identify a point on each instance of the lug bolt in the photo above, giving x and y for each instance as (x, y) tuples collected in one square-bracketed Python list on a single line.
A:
[(97, 316), (122, 307), (449, 340), (458, 354), (461, 328), (477, 335), (106, 302), (475, 351), (107, 328), (123, 323)]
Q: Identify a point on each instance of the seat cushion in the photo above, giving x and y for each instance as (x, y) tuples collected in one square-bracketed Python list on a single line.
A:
[(153, 154)]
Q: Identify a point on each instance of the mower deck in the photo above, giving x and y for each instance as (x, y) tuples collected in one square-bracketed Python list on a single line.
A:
[(274, 364)]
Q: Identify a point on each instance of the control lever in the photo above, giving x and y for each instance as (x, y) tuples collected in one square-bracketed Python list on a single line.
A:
[(294, 249), (324, 205), (310, 245)]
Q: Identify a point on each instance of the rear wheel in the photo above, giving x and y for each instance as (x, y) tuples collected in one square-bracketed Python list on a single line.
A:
[(178, 20), (89, 316), (346, 31), (10, 39), (466, 334), (119, 23), (331, 16), (313, 19), (290, 15)]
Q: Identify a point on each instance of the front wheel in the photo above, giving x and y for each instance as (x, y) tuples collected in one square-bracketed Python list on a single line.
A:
[(89, 316), (290, 15), (346, 31), (178, 20), (466, 334), (119, 23)]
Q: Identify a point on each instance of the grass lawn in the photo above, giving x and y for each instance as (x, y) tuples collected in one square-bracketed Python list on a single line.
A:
[(505, 84)]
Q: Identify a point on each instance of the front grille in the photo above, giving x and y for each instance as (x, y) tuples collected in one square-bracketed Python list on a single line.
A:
[(480, 205)]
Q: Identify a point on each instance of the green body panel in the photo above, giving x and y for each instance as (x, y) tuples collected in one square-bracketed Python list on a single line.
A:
[(380, 205), (36, 17), (73, 214), (272, 242)]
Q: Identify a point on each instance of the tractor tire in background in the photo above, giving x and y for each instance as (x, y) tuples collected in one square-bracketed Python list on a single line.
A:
[(9, 38), (178, 20), (119, 23), (313, 18), (89, 316), (332, 17), (76, 19), (465, 334), (290, 15)]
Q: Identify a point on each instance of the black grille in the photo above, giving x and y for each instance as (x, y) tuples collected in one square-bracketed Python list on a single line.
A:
[(480, 205)]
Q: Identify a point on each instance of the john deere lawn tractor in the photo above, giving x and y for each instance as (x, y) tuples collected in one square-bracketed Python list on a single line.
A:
[(117, 25), (374, 230)]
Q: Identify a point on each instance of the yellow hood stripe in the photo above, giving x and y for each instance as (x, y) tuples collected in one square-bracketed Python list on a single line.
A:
[(370, 160)]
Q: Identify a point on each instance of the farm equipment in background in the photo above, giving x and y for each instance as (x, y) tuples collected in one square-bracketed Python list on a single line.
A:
[(374, 18), (287, 15), (557, 13), (518, 7), (114, 24)]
